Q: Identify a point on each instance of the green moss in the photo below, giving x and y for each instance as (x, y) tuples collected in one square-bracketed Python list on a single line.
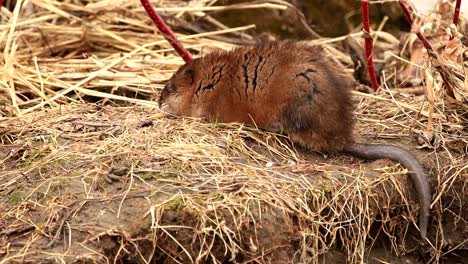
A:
[(328, 188), (17, 197), (178, 166), (75, 172), (180, 202), (177, 203), (58, 185), (39, 152)]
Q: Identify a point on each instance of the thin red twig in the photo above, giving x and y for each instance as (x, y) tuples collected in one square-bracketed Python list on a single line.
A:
[(166, 31), (428, 46), (407, 13), (456, 15), (426, 43), (368, 45)]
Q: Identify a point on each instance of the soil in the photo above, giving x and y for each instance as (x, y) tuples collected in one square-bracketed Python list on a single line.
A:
[(60, 206)]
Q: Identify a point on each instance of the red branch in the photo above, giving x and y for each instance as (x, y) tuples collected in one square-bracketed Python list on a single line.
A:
[(368, 44), (426, 43), (428, 46), (456, 15), (166, 31)]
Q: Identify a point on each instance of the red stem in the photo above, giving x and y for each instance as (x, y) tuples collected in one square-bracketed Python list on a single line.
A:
[(368, 44), (166, 31), (406, 12), (426, 44), (456, 15), (408, 15)]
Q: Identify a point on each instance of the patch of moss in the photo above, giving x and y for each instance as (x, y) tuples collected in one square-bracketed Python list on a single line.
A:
[(59, 184), (177, 203), (17, 197)]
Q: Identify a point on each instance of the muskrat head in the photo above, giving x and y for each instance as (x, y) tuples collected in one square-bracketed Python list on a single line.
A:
[(177, 94)]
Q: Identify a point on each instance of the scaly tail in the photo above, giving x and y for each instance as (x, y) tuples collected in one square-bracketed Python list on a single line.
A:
[(410, 162)]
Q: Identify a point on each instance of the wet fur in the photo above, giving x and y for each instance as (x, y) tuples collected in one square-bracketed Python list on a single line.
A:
[(290, 87)]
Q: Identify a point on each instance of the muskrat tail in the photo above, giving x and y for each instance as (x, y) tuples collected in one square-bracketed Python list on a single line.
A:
[(410, 162)]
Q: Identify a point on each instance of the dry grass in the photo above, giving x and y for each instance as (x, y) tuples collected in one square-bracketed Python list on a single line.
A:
[(85, 182), (97, 183)]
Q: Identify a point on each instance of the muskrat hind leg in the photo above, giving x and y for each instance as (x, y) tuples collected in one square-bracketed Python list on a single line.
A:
[(316, 142)]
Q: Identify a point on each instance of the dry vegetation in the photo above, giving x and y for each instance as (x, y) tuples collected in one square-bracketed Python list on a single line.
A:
[(90, 172)]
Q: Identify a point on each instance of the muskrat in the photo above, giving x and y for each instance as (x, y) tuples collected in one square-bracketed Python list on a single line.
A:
[(289, 87)]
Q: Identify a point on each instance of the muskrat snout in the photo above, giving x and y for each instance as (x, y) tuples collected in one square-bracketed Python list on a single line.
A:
[(166, 92)]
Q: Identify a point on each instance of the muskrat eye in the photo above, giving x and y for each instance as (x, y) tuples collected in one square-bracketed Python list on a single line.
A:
[(190, 75), (170, 88), (189, 72)]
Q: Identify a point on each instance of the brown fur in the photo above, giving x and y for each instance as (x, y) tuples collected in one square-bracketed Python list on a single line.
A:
[(271, 87), (289, 87)]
